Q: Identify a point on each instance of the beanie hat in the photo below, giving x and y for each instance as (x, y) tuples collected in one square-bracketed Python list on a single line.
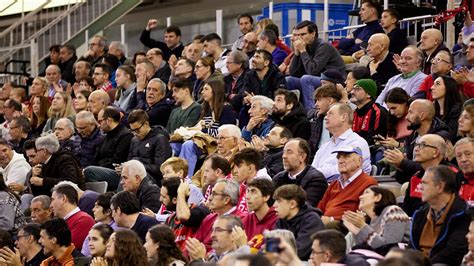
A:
[(369, 86), (333, 76)]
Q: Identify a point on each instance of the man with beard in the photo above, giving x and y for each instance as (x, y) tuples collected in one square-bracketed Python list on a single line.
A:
[(288, 112), (273, 144), (421, 119), (250, 44), (245, 22)]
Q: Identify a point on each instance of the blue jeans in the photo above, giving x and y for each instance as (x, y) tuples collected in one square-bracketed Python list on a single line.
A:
[(97, 173), (306, 84), (188, 151)]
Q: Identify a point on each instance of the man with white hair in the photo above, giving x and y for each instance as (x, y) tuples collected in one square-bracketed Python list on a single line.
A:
[(135, 179), (64, 131), (158, 107), (54, 165), (98, 100), (118, 49), (260, 122), (89, 137)]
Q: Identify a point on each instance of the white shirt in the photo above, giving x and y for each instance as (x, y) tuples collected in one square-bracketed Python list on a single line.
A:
[(71, 213), (344, 184)]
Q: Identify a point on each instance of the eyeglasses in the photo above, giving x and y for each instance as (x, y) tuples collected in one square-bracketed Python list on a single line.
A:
[(137, 129), (422, 145), (213, 194), (20, 236), (318, 252), (437, 60), (222, 138), (219, 230)]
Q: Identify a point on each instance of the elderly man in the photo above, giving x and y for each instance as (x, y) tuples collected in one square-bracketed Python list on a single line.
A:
[(172, 44), (411, 77), (343, 193), (98, 100), (118, 50), (431, 42), (193, 51), (64, 131), (82, 69), (67, 55), (134, 179), (267, 41), (161, 69), (381, 66), (14, 167), (298, 171), (97, 50), (53, 75), (441, 65), (89, 137), (465, 157), (53, 166), (158, 107), (440, 226), (40, 209), (237, 64), (260, 122), (250, 44), (339, 121)]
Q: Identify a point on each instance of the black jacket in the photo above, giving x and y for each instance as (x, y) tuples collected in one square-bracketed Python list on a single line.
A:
[(237, 101), (296, 121), (148, 195), (273, 162), (114, 148), (163, 73), (62, 165), (385, 71), (305, 223), (67, 70), (311, 180), (167, 52), (152, 151), (272, 81), (451, 244), (159, 113)]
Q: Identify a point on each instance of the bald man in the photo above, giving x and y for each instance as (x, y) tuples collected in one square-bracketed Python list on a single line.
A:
[(421, 119), (431, 42), (193, 51), (98, 100), (53, 75), (381, 67), (250, 43)]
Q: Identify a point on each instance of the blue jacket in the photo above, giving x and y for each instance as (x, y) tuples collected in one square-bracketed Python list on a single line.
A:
[(347, 46), (88, 147), (260, 131)]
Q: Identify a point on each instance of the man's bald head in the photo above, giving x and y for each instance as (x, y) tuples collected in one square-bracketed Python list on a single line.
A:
[(430, 40), (437, 141), (98, 100), (250, 42), (424, 106), (378, 45), (53, 74)]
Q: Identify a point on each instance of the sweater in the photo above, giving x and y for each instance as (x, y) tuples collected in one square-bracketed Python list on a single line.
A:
[(11, 215), (80, 224), (254, 227), (410, 85), (180, 117), (337, 200)]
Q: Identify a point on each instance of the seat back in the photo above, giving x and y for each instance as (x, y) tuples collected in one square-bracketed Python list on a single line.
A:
[(99, 187)]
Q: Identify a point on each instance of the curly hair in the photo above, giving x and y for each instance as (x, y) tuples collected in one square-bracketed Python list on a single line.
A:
[(128, 249), (168, 250)]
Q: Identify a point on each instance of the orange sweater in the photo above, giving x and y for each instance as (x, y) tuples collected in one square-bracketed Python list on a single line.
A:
[(337, 200)]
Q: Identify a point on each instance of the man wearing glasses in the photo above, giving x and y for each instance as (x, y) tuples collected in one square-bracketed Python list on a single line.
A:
[(441, 65)]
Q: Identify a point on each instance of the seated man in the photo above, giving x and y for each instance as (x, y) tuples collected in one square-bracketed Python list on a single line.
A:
[(464, 156), (89, 137), (369, 14), (55, 238), (64, 204), (297, 216), (184, 69), (214, 168), (411, 77), (14, 167), (126, 213), (272, 148), (162, 69), (21, 132), (64, 132), (213, 47), (398, 38), (381, 66), (188, 111), (343, 193), (53, 165), (339, 120), (40, 209), (101, 76), (312, 57), (288, 112), (158, 107), (30, 249), (431, 42), (267, 41), (237, 64), (98, 100), (86, 198), (298, 171), (134, 179), (260, 122), (440, 226)]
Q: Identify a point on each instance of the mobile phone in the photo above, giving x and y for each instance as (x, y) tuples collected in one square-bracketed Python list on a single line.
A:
[(272, 244), (378, 138)]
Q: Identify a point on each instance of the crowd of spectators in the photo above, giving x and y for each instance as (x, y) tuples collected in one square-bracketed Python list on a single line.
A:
[(255, 154)]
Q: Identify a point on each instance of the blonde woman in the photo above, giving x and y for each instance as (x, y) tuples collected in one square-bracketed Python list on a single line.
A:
[(61, 107)]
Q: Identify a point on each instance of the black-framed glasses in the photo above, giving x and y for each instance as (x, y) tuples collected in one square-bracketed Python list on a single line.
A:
[(437, 60), (423, 145), (219, 230), (137, 129)]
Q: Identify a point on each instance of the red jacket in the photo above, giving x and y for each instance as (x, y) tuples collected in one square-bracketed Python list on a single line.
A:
[(254, 228)]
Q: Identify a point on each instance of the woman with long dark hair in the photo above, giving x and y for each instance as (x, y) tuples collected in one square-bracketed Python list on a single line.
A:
[(123, 248), (161, 247), (397, 102), (447, 101), (98, 237), (11, 215)]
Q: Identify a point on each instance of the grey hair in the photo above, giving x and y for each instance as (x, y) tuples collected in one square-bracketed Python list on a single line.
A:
[(67, 183), (234, 131), (231, 189), (48, 142), (464, 141), (135, 167), (240, 58), (232, 221), (44, 199), (265, 102), (102, 40), (162, 85), (419, 53), (69, 124), (87, 116), (284, 234), (119, 46)]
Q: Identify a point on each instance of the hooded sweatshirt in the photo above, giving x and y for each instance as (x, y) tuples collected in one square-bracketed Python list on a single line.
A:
[(16, 170), (296, 121), (305, 223)]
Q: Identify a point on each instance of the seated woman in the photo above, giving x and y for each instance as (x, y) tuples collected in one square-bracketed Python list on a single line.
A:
[(11, 215), (61, 107), (447, 102), (123, 248), (214, 113), (161, 248), (466, 122), (39, 115), (39, 87), (98, 237), (397, 101), (204, 70), (81, 100), (389, 224), (126, 96)]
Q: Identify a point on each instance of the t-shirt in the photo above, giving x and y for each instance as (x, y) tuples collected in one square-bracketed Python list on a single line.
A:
[(37, 259), (142, 224)]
